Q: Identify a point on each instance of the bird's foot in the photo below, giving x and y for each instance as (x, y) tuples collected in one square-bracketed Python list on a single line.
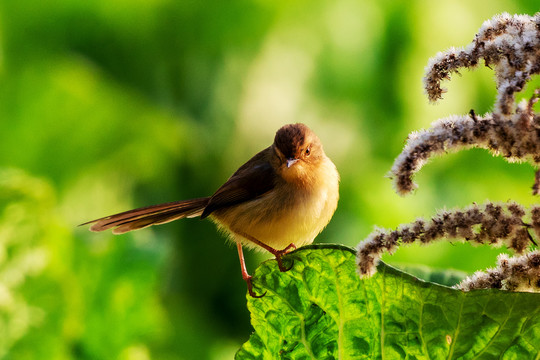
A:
[(279, 253), (250, 288)]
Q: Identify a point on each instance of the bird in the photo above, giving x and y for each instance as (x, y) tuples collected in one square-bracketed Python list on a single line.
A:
[(279, 200)]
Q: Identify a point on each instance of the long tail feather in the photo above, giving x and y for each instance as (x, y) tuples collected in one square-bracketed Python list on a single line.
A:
[(150, 215)]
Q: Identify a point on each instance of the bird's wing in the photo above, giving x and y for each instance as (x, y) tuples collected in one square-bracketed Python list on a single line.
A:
[(253, 179)]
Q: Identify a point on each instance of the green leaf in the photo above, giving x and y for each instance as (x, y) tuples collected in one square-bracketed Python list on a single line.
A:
[(321, 309)]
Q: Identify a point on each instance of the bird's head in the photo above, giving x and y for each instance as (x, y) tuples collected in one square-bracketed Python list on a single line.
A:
[(299, 152)]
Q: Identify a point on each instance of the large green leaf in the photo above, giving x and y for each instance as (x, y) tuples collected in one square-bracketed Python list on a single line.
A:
[(321, 309)]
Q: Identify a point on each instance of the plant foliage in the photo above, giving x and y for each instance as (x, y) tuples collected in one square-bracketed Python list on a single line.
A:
[(321, 309)]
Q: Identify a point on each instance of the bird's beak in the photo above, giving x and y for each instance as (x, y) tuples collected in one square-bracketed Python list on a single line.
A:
[(290, 162)]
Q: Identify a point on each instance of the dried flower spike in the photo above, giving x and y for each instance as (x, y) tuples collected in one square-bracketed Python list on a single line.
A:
[(516, 138), (493, 224), (511, 43), (518, 273)]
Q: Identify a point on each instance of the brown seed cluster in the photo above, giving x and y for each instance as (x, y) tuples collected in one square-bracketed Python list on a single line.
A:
[(518, 273), (516, 138), (509, 43), (493, 224)]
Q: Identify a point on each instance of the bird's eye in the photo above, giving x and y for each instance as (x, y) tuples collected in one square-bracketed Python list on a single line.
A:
[(308, 151)]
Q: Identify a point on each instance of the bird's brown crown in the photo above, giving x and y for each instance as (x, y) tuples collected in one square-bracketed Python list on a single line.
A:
[(292, 138)]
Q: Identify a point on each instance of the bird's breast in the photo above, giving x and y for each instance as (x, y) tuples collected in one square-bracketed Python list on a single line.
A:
[(286, 214)]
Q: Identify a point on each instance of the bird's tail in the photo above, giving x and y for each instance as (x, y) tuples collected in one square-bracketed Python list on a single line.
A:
[(151, 215)]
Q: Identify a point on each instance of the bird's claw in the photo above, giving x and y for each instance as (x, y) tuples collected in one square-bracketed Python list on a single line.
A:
[(279, 253), (282, 267), (250, 289)]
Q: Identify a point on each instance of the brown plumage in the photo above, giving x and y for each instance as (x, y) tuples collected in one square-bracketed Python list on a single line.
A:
[(150, 215)]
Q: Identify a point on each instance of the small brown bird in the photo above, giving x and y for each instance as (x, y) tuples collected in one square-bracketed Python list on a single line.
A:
[(282, 198)]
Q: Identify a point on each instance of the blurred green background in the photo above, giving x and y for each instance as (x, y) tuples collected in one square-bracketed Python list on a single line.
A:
[(110, 105)]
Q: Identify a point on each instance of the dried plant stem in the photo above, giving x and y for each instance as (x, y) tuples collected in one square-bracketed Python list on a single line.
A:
[(493, 224), (510, 43), (516, 138), (518, 273)]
